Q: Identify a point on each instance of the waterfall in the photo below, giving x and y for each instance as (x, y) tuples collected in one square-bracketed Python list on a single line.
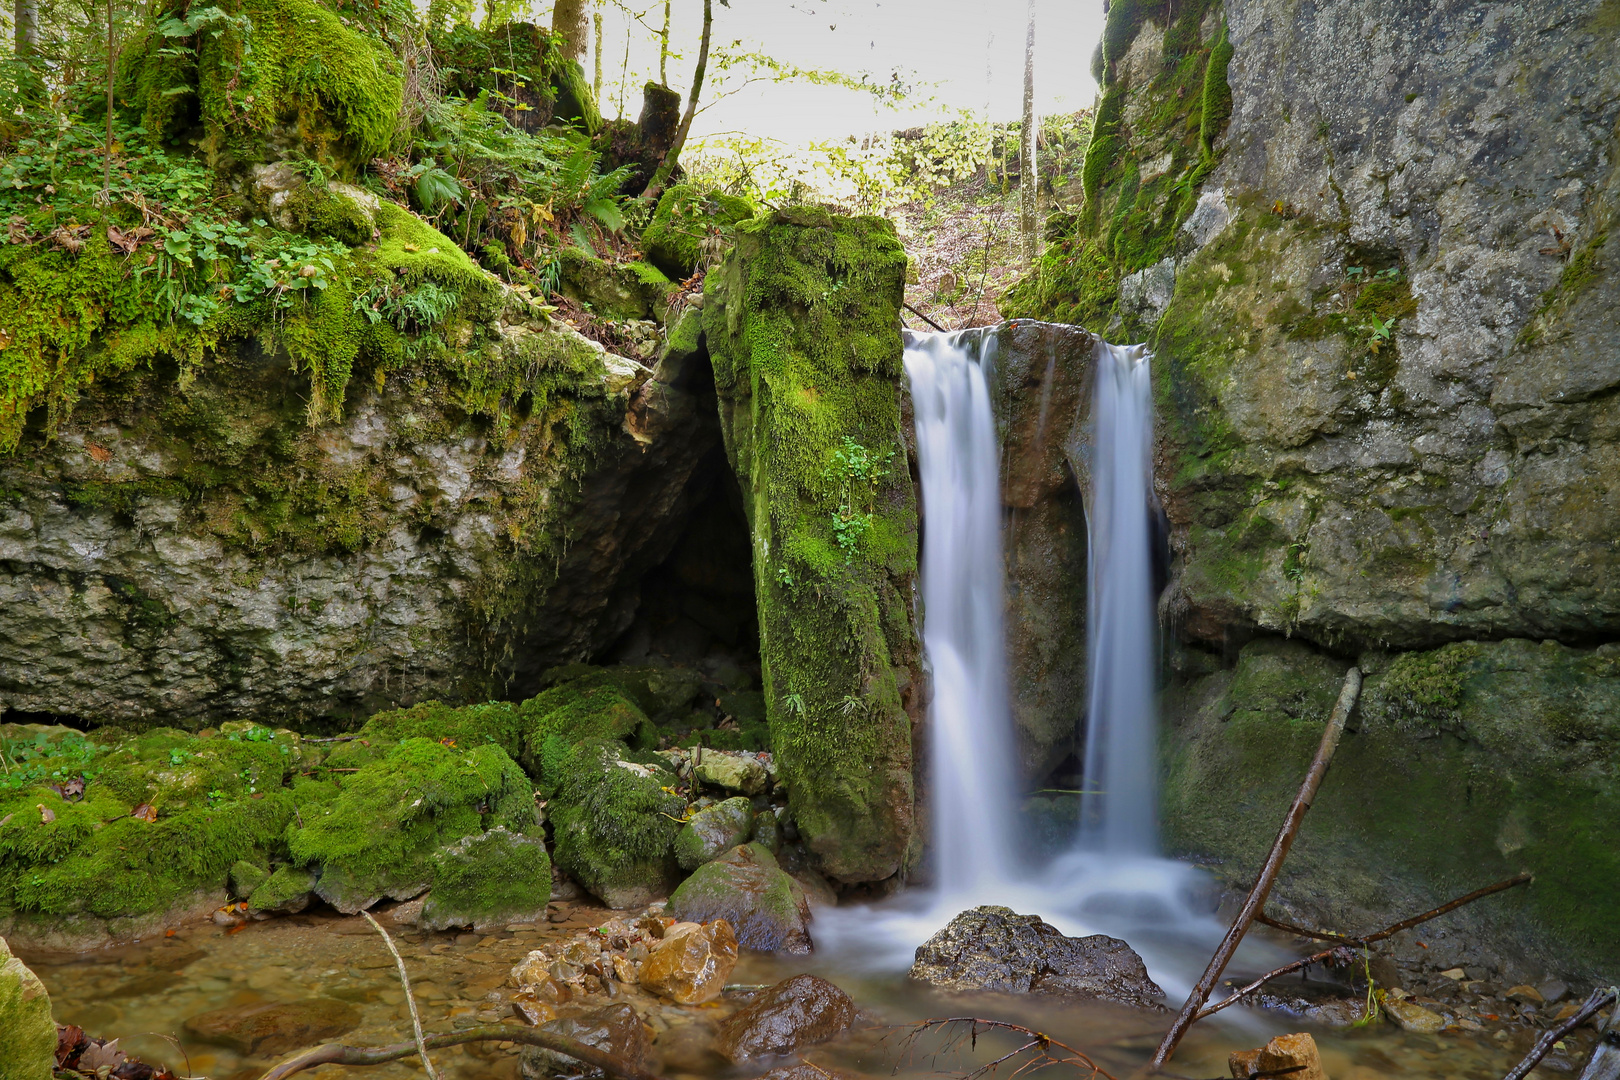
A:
[(1117, 809), (970, 733)]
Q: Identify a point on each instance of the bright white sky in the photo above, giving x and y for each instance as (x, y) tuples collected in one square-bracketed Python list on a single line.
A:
[(972, 49)]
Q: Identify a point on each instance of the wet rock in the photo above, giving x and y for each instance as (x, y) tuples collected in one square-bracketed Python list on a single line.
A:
[(1411, 1016), (489, 880), (768, 831), (286, 892), (1553, 990), (272, 1027), (615, 1029), (734, 772), (795, 1013), (27, 1032), (246, 877), (994, 948), (692, 962), (1294, 1056), (713, 831), (749, 890)]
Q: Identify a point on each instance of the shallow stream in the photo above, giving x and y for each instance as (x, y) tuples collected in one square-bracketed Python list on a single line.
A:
[(146, 991)]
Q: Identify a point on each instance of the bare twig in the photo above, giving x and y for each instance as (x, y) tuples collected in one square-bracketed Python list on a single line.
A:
[(1040, 1046), (1256, 900), (410, 999), (333, 1054), (1600, 997), (1347, 942), (1318, 935)]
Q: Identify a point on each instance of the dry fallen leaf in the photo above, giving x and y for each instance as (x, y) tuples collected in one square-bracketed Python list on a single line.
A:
[(106, 1054), (145, 811), (100, 453), (46, 814)]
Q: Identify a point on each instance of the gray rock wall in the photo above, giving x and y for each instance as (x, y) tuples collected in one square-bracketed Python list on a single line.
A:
[(185, 554)]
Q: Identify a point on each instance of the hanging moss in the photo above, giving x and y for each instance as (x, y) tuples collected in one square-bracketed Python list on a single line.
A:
[(1216, 105), (802, 322)]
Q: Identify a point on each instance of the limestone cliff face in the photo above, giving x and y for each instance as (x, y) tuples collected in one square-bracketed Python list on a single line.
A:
[(1449, 169), (182, 555)]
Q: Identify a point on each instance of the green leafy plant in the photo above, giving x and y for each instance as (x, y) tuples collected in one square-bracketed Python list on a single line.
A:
[(855, 472)]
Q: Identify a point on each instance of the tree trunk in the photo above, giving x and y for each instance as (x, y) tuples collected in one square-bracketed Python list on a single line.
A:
[(660, 179), (568, 19), (25, 21), (596, 85), (663, 49), (1029, 179)]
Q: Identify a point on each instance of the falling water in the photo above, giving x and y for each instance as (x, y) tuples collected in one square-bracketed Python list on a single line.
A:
[(1117, 812), (971, 729), (1114, 883)]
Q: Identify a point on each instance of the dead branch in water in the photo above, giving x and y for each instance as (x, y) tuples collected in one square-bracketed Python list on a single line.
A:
[(1600, 997), (1256, 900), (334, 1054), (1387, 932), (1040, 1047), (410, 998)]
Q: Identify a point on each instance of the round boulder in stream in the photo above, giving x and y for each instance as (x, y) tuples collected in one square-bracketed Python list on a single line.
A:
[(795, 1013), (748, 889), (995, 948)]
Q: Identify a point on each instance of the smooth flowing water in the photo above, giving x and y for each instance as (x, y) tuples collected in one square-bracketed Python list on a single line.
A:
[(970, 733), (1117, 809)]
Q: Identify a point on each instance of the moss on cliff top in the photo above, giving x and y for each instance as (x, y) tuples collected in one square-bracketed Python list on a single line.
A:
[(802, 325)]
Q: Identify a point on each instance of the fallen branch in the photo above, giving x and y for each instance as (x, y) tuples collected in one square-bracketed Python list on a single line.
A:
[(1362, 942), (1300, 931), (410, 998), (1255, 903), (1041, 1044), (333, 1054), (923, 317), (1406, 924), (1600, 997)]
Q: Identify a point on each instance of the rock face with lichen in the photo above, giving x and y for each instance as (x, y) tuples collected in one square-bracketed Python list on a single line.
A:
[(1369, 247), (802, 325)]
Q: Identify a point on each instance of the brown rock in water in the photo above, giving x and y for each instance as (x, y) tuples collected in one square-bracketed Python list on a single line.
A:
[(689, 1048), (796, 1012), (1410, 1016), (1293, 1056), (994, 948), (616, 1029), (274, 1027), (807, 1072), (692, 963)]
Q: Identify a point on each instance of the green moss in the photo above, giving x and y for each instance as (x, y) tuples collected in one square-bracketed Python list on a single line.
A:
[(489, 880), (713, 831), (1424, 690), (280, 62), (1215, 107), (288, 889), (614, 828), (686, 217), (329, 213), (245, 877), (27, 1032), (575, 102), (1509, 769), (802, 327), (379, 836), (495, 723)]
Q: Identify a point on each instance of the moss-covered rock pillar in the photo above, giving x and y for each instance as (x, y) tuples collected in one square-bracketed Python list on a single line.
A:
[(802, 322)]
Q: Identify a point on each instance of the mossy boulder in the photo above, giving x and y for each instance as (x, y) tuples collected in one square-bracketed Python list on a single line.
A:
[(765, 907), (802, 325), (1462, 766), (488, 880), (27, 1032), (614, 824), (619, 291), (379, 836), (713, 831), (160, 821), (690, 226), (287, 891), (246, 877)]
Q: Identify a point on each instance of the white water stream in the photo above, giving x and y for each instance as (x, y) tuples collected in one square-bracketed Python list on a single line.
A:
[(1113, 881)]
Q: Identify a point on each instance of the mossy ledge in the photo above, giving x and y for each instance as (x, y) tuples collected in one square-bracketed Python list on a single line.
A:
[(802, 323)]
